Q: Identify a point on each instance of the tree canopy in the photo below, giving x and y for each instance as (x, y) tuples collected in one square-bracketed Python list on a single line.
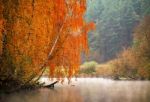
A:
[(40, 34)]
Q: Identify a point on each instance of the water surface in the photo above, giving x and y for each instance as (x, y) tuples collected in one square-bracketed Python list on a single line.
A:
[(86, 90)]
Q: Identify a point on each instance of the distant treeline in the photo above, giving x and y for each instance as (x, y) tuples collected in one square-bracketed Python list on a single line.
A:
[(132, 63), (115, 23)]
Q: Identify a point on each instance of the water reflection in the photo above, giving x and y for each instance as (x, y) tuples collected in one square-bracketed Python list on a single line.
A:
[(86, 90)]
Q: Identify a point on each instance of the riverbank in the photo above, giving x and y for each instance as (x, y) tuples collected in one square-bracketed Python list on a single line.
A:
[(109, 70)]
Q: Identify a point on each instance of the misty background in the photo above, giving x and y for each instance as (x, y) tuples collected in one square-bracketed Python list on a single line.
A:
[(115, 22)]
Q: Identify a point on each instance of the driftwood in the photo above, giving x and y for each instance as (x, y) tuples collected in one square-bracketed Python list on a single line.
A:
[(28, 87), (51, 85)]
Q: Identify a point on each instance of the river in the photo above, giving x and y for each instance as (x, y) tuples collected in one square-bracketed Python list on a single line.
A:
[(85, 90)]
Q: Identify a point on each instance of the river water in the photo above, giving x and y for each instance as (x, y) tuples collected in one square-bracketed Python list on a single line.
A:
[(85, 90)]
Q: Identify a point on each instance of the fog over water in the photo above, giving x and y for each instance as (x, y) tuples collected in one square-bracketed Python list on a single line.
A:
[(86, 90)]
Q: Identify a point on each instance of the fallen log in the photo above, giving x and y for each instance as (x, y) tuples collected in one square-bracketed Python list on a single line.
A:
[(51, 85)]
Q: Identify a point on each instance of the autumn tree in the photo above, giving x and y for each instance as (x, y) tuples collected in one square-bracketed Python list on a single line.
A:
[(40, 34), (141, 47), (134, 62)]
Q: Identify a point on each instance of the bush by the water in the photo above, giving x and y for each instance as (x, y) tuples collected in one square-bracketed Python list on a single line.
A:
[(88, 67)]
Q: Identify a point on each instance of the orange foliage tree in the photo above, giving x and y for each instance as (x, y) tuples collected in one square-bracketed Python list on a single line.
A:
[(40, 34)]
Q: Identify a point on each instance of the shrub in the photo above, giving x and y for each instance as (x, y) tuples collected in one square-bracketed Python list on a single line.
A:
[(125, 65), (88, 67)]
